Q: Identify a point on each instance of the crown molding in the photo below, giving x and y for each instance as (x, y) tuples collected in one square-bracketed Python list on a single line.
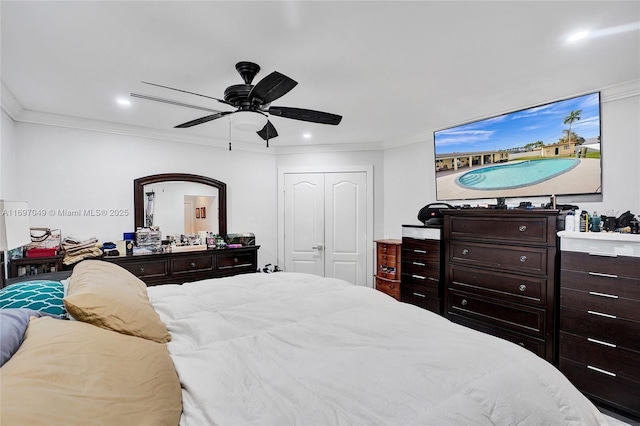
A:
[(12, 107)]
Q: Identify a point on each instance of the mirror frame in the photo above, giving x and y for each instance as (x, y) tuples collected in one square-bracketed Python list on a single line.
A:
[(139, 201)]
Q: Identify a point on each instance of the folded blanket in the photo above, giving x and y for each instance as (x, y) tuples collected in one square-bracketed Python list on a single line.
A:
[(71, 245), (85, 253)]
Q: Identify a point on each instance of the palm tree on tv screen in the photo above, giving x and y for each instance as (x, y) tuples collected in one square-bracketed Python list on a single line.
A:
[(570, 119)]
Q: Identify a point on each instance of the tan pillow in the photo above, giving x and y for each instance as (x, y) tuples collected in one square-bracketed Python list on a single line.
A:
[(109, 296), (73, 373)]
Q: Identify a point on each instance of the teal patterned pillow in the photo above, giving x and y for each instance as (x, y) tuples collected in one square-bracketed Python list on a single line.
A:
[(39, 295)]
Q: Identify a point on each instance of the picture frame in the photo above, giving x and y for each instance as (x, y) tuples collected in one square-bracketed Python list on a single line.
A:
[(197, 213), (203, 212)]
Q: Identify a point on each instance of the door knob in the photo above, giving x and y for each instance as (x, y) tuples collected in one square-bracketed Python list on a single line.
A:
[(319, 247)]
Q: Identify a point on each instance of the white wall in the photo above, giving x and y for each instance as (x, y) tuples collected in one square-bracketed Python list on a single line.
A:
[(409, 180), (7, 158), (70, 169)]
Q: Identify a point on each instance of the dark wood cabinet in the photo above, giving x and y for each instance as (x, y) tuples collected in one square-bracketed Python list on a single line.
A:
[(599, 347), (388, 268), (35, 265), (500, 274), (177, 268), (422, 266)]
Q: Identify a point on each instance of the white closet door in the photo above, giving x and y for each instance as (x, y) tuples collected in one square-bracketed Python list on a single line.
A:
[(325, 224)]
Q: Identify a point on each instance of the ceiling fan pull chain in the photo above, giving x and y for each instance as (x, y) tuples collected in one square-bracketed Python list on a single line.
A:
[(229, 132)]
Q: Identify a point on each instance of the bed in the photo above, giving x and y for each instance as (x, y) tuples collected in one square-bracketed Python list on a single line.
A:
[(270, 349)]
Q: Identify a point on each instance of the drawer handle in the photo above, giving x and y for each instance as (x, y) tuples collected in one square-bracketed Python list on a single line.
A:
[(419, 263), (522, 228), (419, 277), (600, 370), (610, 296), (523, 259), (235, 260), (600, 342), (193, 264), (600, 314), (392, 286), (142, 270), (522, 287), (420, 251), (419, 295), (600, 274), (464, 302), (465, 252)]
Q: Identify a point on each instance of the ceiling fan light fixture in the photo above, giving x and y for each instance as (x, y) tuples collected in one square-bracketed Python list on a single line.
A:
[(248, 121)]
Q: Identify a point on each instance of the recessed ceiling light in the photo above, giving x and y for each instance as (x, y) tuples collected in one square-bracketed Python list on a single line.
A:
[(306, 135), (577, 36), (124, 102)]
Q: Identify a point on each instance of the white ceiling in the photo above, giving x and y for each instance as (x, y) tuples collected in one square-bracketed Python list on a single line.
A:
[(394, 70)]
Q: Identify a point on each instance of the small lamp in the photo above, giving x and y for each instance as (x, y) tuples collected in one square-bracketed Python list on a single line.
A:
[(14, 226)]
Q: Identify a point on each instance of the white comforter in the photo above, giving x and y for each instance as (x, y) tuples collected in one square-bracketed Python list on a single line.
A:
[(288, 348)]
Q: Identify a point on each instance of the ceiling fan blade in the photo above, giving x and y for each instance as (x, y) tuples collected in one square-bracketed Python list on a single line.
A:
[(203, 119), (305, 115), (186, 91), (171, 101), (267, 132), (271, 88)]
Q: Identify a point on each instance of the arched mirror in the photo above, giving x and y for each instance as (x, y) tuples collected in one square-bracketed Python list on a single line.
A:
[(180, 203)]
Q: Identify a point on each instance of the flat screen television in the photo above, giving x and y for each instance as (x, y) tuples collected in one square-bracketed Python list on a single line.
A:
[(544, 150)]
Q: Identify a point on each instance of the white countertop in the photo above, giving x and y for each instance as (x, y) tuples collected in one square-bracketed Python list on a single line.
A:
[(606, 243)]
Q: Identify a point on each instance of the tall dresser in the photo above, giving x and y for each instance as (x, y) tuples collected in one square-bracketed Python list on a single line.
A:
[(500, 274), (388, 268), (422, 266), (600, 316)]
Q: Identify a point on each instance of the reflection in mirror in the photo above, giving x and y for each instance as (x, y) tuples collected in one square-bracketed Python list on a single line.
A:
[(180, 203), (175, 205)]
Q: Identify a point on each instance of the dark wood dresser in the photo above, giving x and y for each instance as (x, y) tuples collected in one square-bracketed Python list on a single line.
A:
[(388, 267), (500, 268), (600, 317), (177, 268), (422, 266)]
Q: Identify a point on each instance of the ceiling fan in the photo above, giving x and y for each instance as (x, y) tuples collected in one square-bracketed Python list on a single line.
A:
[(252, 99)]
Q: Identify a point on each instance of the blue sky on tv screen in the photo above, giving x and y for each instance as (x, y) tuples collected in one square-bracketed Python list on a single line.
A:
[(516, 129)]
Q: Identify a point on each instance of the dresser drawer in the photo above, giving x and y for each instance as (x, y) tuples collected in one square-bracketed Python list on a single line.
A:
[(512, 258), (602, 303), (601, 354), (392, 288), (146, 269), (427, 251), (611, 285), (523, 319), (517, 229), (617, 391), (189, 264), (519, 288), (423, 296), (535, 345), (424, 278), (621, 266), (236, 260), (387, 249), (620, 332), (387, 260)]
